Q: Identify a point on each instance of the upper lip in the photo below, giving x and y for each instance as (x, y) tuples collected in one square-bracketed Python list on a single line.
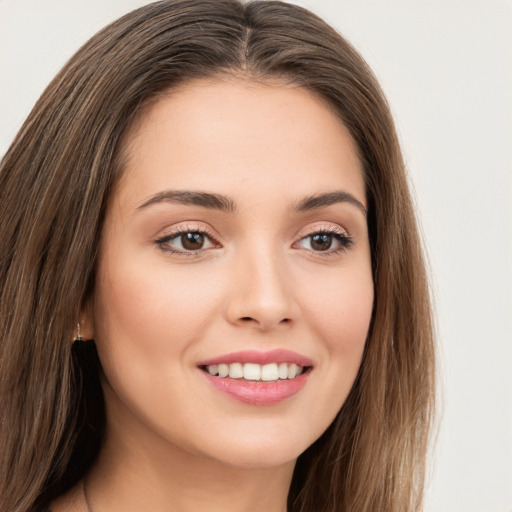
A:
[(257, 357)]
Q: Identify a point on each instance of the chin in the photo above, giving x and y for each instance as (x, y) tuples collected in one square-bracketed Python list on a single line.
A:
[(264, 449), (259, 458)]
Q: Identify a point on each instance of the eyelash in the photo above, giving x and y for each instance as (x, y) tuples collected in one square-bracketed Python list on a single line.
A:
[(161, 242), (343, 239)]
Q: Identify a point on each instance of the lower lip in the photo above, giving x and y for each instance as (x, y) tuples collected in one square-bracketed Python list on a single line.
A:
[(258, 392)]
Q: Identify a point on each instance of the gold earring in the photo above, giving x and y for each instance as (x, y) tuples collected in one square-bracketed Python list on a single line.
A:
[(78, 338)]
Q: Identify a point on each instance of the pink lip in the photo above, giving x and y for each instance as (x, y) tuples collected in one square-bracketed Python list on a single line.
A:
[(253, 356), (256, 392)]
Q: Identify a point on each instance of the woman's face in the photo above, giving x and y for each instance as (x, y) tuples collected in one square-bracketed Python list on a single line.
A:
[(236, 241)]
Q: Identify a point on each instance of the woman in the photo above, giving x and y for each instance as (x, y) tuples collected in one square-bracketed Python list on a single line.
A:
[(211, 201)]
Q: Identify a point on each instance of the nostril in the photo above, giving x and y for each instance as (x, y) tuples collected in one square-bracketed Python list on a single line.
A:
[(263, 324), (249, 319)]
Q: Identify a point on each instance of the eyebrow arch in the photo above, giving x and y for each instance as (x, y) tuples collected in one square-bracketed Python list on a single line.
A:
[(204, 199), (328, 199)]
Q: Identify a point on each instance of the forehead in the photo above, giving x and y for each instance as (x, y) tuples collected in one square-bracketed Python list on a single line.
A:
[(231, 134)]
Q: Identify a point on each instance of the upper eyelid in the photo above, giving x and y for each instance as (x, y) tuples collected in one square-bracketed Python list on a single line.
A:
[(341, 233), (200, 227), (191, 226), (187, 228), (323, 228)]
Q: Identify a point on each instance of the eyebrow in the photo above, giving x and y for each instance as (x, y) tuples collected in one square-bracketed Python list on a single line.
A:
[(204, 199), (223, 203), (322, 200)]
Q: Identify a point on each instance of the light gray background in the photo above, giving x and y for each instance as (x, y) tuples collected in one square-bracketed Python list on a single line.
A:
[(446, 66)]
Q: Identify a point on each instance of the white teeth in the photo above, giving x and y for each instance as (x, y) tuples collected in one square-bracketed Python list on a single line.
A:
[(223, 370), (236, 371), (251, 371), (256, 372), (269, 372)]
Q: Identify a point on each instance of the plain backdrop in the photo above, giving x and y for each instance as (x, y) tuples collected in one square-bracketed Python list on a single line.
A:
[(446, 67)]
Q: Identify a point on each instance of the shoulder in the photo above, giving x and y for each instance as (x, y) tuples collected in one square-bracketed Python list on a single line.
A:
[(72, 501)]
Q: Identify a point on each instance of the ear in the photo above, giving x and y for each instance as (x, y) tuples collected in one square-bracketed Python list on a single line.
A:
[(87, 319)]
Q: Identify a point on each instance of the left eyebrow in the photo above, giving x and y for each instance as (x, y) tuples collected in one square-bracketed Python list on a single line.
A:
[(328, 199)]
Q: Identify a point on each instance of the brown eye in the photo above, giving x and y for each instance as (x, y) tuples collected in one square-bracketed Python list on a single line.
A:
[(321, 242), (326, 242), (192, 241), (187, 242)]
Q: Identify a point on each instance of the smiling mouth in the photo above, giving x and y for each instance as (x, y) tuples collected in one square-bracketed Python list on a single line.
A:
[(272, 372)]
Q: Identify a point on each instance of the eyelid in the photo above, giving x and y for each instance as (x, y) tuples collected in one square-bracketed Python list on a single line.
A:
[(322, 227), (342, 235), (175, 231), (187, 227)]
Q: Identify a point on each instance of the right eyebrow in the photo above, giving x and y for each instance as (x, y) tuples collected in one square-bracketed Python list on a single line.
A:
[(204, 199)]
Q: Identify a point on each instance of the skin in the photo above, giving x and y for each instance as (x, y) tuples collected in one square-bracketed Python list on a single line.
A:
[(173, 441)]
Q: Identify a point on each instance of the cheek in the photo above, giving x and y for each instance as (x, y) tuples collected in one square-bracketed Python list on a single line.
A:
[(148, 311), (338, 313), (340, 316), (149, 320), (343, 309)]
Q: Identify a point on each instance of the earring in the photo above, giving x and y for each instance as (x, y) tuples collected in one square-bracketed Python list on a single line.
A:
[(78, 338)]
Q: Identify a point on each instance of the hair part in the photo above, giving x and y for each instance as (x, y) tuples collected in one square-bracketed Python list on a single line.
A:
[(55, 184)]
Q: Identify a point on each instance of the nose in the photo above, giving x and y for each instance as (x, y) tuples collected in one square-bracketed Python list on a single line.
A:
[(261, 294)]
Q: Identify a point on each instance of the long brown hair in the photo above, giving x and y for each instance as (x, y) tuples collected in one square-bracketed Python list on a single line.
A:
[(55, 182)]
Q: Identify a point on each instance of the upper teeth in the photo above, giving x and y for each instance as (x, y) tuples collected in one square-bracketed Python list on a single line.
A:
[(252, 371)]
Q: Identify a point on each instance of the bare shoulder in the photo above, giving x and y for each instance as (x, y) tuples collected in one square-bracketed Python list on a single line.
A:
[(72, 501)]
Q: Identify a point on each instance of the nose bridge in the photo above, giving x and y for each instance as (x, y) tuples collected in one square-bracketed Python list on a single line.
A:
[(262, 288)]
